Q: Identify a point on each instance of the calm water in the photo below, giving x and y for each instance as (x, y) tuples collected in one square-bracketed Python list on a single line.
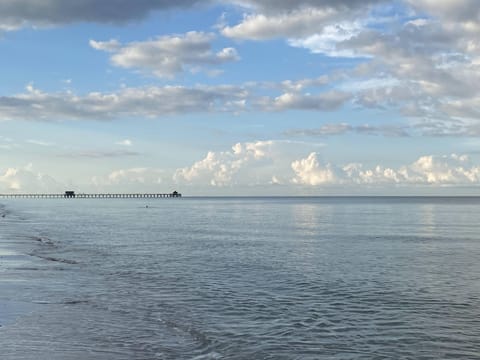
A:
[(253, 278)]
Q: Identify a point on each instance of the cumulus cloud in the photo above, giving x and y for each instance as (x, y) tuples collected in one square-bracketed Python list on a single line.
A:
[(237, 166), (290, 86), (15, 14), (167, 56), (426, 170), (265, 163), (270, 163), (26, 179), (310, 171)]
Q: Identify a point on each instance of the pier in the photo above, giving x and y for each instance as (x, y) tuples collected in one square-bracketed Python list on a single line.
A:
[(73, 195)]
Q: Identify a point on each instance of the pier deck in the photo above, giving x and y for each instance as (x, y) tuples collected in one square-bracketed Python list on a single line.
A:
[(92, 196)]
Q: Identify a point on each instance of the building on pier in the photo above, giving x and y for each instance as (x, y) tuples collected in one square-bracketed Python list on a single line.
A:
[(69, 194)]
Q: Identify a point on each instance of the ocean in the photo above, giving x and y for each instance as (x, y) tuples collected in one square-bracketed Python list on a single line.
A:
[(240, 278)]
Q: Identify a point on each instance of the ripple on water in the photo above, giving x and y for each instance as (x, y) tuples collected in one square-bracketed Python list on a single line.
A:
[(246, 280)]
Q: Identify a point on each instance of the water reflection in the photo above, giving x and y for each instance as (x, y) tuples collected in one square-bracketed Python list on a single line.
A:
[(312, 219), (427, 219)]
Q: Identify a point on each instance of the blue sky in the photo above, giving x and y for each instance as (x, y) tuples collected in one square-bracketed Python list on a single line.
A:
[(233, 97)]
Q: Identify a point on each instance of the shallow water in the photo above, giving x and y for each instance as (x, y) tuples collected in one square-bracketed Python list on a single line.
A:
[(242, 278)]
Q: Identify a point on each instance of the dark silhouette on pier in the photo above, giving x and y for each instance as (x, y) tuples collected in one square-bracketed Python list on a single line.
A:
[(72, 195)]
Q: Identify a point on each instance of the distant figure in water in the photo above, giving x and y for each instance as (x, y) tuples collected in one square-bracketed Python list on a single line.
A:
[(146, 206)]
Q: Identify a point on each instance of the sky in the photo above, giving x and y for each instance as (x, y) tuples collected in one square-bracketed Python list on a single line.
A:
[(240, 97)]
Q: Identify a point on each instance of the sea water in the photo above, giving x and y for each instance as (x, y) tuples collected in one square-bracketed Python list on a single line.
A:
[(240, 278)]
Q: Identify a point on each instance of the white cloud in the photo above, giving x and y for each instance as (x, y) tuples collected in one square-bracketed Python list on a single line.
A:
[(293, 19), (290, 86), (297, 23), (240, 165), (111, 45), (326, 101), (157, 102), (149, 102), (425, 63), (126, 142), (268, 165), (427, 68), (167, 56), (326, 40), (453, 169), (309, 171), (25, 179), (427, 170)]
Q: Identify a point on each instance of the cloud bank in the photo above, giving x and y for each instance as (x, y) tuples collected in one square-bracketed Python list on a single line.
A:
[(426, 170), (269, 163), (160, 101), (423, 55)]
